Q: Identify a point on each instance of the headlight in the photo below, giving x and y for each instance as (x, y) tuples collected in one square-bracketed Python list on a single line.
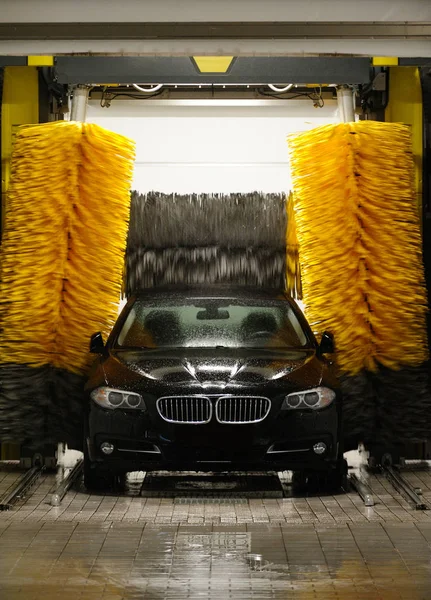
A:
[(314, 398), (112, 398)]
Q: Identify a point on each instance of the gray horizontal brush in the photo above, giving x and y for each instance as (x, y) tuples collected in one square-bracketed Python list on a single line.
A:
[(206, 238)]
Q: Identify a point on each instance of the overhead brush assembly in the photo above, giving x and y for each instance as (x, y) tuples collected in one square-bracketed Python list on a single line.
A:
[(206, 238), (362, 275), (61, 270)]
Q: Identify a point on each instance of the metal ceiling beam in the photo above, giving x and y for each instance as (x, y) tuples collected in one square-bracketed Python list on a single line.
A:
[(214, 30), (415, 62), (176, 70), (13, 61)]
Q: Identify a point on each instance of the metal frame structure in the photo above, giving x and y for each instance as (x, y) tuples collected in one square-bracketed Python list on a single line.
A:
[(78, 111), (346, 103), (180, 70)]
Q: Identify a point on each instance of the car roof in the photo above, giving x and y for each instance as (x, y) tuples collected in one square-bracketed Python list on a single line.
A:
[(212, 291)]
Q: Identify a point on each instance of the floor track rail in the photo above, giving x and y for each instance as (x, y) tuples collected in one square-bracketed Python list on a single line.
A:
[(21, 488), (362, 489), (67, 483), (395, 477)]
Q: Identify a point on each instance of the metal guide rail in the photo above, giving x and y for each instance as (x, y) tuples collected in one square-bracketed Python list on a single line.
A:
[(30, 478), (21, 488), (362, 489), (67, 483), (245, 487), (412, 495)]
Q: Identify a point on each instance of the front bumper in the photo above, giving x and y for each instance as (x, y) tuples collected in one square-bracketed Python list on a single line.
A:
[(283, 441)]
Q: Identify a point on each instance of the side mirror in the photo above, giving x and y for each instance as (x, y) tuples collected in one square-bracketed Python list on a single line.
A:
[(97, 345), (327, 345)]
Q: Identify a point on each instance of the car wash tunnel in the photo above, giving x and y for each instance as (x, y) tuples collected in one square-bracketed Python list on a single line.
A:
[(215, 267)]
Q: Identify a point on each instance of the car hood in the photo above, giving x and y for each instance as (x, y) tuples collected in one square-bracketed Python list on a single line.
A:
[(206, 367)]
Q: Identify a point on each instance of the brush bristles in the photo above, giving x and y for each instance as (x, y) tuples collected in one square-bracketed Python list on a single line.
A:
[(256, 267), (40, 405), (360, 243), (386, 408), (64, 241), (24, 401), (239, 238), (293, 269), (197, 220)]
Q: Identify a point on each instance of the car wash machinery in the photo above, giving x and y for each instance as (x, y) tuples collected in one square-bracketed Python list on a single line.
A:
[(361, 86)]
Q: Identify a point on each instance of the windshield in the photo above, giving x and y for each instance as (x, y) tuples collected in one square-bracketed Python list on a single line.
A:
[(208, 323)]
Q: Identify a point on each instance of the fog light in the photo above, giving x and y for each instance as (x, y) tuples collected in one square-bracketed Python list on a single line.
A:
[(319, 448), (107, 448)]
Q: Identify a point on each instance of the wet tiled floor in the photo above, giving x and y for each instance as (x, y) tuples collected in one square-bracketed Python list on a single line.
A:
[(47, 561), (134, 506), (131, 546)]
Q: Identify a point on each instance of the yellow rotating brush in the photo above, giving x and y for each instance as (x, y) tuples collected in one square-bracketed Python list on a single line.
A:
[(362, 274), (61, 263)]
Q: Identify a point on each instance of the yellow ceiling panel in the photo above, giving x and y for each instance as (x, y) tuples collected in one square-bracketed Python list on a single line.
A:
[(213, 64), (385, 61), (40, 61)]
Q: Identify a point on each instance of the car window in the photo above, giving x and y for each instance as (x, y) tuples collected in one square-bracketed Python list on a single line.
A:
[(206, 323)]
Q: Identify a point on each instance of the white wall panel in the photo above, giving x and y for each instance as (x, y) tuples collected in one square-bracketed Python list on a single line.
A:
[(183, 148), (21, 11)]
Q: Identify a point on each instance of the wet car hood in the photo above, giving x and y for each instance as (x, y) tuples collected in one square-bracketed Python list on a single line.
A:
[(205, 366)]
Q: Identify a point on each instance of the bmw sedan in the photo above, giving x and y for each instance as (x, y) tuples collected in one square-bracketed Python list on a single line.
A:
[(211, 379)]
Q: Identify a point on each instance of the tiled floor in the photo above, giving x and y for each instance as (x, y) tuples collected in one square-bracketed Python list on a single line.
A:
[(79, 506), (47, 561), (126, 547)]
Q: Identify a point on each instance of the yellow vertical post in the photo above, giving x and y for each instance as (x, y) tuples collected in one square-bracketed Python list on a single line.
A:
[(405, 106), (20, 106)]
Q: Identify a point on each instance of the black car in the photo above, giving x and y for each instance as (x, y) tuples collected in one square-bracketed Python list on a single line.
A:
[(211, 379)]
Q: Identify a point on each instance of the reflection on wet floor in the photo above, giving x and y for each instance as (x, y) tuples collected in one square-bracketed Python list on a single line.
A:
[(97, 561), (211, 540), (210, 485)]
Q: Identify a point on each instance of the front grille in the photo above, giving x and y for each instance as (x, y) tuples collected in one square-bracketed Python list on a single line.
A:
[(242, 409), (194, 410)]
